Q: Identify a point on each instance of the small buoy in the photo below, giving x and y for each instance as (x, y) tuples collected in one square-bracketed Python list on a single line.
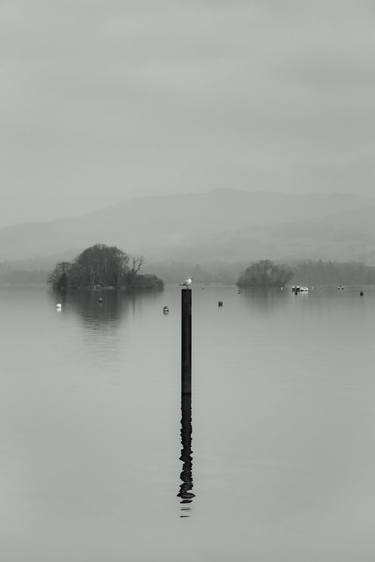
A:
[(100, 299), (165, 310), (361, 294), (58, 306), (220, 304)]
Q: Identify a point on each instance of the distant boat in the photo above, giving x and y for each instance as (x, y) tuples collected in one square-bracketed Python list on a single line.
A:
[(298, 289)]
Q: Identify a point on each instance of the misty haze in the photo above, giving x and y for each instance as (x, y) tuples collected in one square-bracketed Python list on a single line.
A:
[(187, 280)]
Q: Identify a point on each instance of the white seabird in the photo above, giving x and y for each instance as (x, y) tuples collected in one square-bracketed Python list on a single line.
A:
[(187, 283)]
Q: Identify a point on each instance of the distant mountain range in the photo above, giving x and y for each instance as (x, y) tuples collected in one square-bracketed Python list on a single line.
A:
[(226, 225)]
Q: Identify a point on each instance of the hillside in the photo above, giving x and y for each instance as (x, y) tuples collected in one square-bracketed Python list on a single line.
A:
[(222, 224)]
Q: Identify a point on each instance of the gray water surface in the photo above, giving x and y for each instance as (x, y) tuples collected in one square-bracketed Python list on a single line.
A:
[(283, 418)]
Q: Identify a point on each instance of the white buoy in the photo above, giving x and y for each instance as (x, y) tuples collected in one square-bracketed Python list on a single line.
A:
[(58, 306)]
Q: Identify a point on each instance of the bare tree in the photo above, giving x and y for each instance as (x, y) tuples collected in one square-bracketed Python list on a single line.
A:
[(137, 263)]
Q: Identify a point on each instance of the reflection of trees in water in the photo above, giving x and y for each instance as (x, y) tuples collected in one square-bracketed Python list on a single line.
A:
[(99, 307), (265, 299), (186, 488), (94, 307), (102, 307)]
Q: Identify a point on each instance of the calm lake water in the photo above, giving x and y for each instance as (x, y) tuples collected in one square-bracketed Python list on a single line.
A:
[(283, 418)]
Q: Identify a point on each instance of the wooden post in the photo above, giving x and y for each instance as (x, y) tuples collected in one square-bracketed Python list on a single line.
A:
[(185, 341)]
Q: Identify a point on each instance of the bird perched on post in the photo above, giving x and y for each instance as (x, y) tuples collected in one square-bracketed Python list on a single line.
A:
[(187, 283)]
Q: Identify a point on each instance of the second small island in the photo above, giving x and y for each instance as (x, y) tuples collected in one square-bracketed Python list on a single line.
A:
[(265, 274)]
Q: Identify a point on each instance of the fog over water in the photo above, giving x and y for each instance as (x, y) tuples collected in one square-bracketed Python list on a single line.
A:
[(282, 427)]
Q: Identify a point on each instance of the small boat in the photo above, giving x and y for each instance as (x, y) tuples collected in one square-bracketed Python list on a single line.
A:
[(299, 289)]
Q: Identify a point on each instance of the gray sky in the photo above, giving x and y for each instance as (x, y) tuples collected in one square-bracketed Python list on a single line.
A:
[(101, 100)]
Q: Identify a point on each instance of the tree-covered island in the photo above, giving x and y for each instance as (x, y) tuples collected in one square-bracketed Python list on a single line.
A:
[(103, 266), (265, 274)]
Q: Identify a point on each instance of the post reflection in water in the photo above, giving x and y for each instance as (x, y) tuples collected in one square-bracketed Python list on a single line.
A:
[(185, 492)]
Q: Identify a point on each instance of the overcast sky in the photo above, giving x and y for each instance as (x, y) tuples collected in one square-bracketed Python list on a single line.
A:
[(101, 100)]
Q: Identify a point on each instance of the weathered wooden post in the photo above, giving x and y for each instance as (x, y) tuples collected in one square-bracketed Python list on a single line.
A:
[(186, 487), (186, 341)]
